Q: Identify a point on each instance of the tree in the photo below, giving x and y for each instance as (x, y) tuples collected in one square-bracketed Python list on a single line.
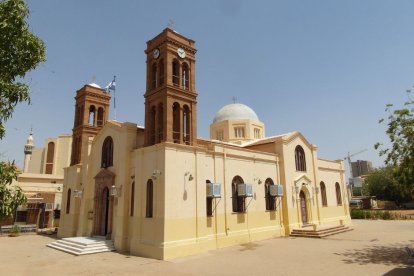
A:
[(383, 184), (400, 130), (20, 52), (10, 197)]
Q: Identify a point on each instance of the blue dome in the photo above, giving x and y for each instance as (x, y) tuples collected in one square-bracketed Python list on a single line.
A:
[(235, 111)]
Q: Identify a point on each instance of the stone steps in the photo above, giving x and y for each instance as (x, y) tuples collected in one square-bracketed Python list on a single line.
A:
[(321, 232), (83, 245)]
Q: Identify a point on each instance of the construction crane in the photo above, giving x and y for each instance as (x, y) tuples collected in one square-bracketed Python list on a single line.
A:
[(348, 157)]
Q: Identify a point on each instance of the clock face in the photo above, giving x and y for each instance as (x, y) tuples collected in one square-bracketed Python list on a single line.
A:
[(181, 52), (156, 53)]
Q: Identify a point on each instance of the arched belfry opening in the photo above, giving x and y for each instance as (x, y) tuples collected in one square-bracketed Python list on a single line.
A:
[(91, 114), (170, 97)]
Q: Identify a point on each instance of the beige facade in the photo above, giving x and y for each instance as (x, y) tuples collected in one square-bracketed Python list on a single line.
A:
[(151, 196)]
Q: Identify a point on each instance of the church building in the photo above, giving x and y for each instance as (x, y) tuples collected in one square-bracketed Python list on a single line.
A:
[(159, 191)]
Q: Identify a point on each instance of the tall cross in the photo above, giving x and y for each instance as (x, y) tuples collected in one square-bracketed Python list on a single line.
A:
[(171, 24), (234, 99), (93, 78)]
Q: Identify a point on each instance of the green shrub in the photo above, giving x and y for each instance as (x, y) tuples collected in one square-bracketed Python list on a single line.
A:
[(357, 214), (387, 215), (367, 214), (15, 230)]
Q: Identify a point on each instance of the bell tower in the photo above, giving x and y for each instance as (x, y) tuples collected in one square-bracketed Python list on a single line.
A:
[(91, 113), (170, 97)]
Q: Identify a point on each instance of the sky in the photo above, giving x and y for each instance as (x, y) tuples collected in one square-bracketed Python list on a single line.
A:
[(323, 68)]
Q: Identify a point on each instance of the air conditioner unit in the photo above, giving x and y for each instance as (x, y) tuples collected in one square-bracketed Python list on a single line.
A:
[(245, 190), (276, 190), (213, 190), (49, 206)]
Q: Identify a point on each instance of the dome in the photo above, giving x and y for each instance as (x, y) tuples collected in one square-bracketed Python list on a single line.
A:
[(235, 111)]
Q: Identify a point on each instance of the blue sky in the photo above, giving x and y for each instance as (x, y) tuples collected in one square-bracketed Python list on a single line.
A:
[(324, 68)]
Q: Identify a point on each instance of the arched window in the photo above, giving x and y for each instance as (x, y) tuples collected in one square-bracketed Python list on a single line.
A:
[(150, 198), (152, 125), (160, 122), (323, 194), (209, 205), (49, 157), (100, 120), (238, 202), (68, 201), (270, 200), (107, 152), (154, 76), (185, 77), (176, 123), (91, 118), (300, 159), (338, 194), (132, 199), (175, 73), (186, 125), (161, 72)]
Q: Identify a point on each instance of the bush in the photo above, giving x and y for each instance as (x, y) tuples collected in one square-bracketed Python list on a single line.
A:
[(387, 215), (357, 214), (367, 214), (15, 231)]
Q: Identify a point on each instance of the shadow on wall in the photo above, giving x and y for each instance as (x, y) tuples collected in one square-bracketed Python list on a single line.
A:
[(393, 254)]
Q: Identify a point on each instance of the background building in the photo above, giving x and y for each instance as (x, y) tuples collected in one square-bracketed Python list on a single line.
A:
[(361, 167), (42, 181)]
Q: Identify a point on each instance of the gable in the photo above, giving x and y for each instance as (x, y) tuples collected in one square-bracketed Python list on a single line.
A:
[(302, 179), (297, 136), (104, 174)]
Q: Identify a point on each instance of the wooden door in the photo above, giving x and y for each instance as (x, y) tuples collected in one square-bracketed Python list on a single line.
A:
[(104, 210), (303, 210)]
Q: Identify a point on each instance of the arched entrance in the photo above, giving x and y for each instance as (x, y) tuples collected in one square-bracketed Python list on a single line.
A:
[(303, 209), (103, 204)]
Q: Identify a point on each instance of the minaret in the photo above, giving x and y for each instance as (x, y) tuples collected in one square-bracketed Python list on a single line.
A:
[(28, 152)]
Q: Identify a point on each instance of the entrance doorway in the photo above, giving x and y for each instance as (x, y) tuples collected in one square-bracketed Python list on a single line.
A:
[(303, 209), (103, 205)]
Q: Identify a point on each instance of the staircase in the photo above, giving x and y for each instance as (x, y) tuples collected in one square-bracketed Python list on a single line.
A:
[(83, 245), (321, 232)]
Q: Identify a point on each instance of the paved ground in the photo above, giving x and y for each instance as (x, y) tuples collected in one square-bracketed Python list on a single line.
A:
[(373, 248)]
